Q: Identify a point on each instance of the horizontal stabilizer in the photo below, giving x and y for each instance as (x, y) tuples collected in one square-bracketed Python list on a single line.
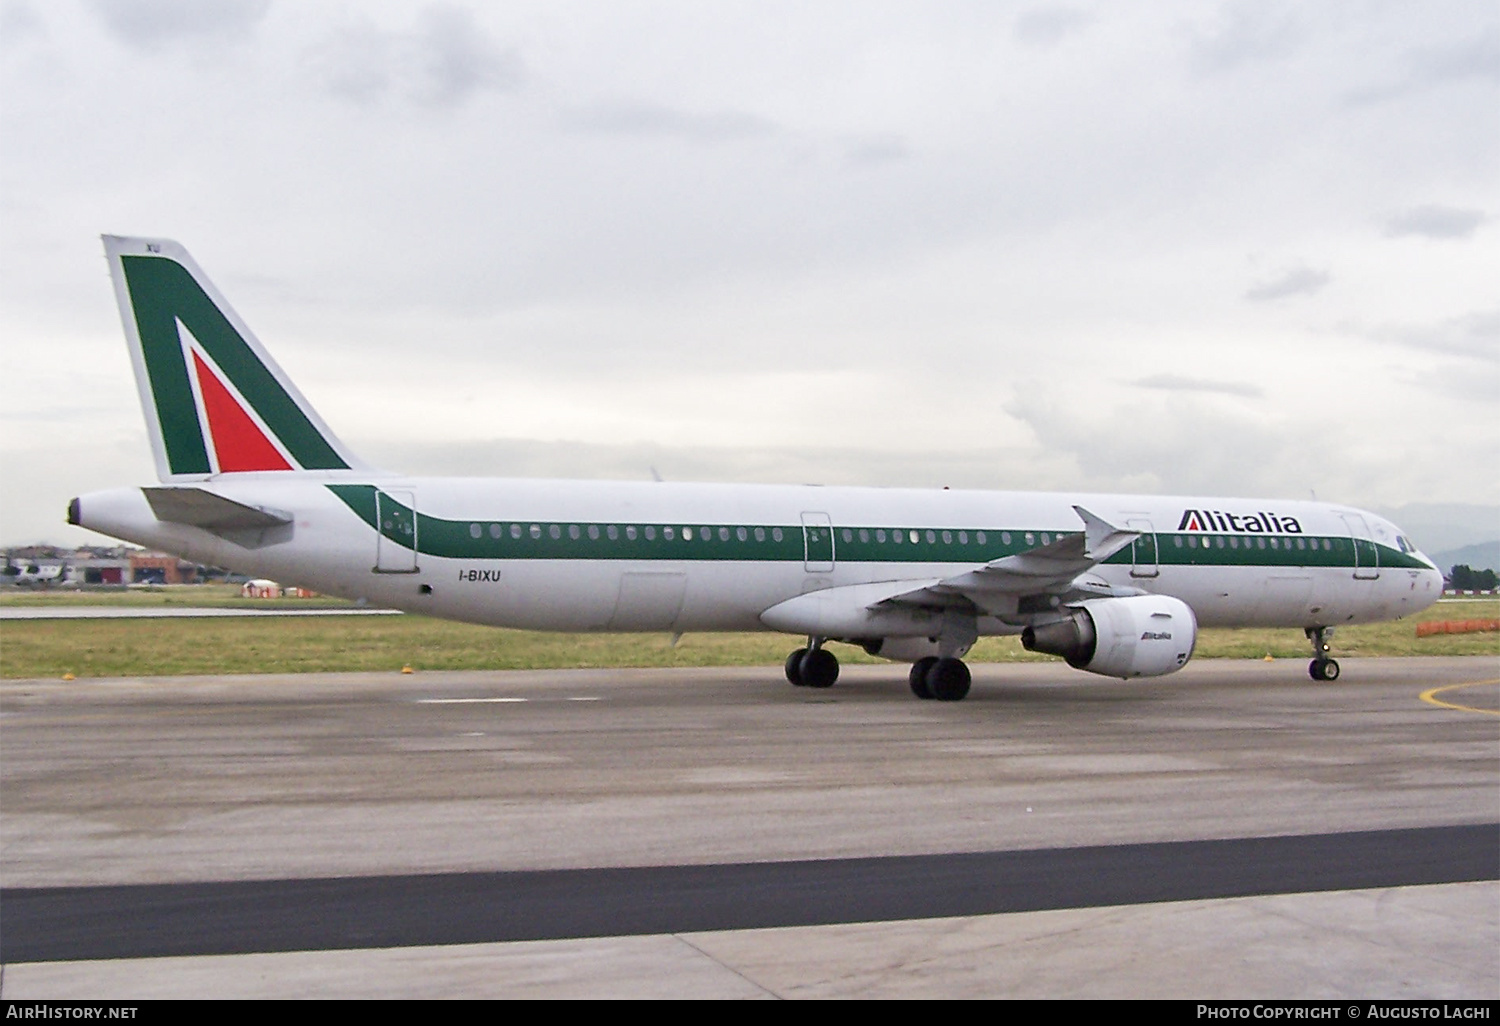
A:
[(198, 507)]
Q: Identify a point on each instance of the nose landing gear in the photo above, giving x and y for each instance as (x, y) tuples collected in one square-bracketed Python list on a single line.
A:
[(1323, 666)]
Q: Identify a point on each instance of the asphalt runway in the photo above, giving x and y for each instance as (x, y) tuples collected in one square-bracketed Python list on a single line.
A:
[(1231, 830)]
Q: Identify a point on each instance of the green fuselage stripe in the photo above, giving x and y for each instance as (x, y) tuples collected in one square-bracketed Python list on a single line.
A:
[(494, 540)]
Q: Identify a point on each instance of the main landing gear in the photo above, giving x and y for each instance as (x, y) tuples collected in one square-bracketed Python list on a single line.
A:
[(1323, 666), (943, 678)]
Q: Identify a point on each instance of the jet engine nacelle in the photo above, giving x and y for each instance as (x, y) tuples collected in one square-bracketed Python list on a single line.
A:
[(1139, 636)]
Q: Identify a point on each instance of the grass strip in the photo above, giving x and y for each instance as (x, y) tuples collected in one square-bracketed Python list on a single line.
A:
[(165, 647)]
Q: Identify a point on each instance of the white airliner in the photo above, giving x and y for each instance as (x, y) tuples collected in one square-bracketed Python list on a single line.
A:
[(253, 480)]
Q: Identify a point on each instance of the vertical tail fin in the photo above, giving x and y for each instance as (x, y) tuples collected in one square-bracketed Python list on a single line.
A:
[(215, 401)]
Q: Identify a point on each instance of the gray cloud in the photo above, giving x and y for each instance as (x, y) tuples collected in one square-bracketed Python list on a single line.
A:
[(1299, 281), (1436, 222), (1249, 33), (18, 19), (146, 23), (825, 465), (441, 62), (1177, 383), (356, 63), (1470, 382), (654, 119), (877, 149), (1475, 58), (457, 58), (1177, 445), (1048, 26), (1475, 336), (751, 231), (1478, 57)]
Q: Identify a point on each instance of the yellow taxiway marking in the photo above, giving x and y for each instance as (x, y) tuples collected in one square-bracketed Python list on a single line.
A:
[(1430, 695)]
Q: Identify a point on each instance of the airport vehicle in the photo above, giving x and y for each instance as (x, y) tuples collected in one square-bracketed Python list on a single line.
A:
[(33, 574), (253, 480)]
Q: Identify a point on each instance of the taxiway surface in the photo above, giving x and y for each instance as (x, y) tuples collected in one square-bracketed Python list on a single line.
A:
[(125, 800)]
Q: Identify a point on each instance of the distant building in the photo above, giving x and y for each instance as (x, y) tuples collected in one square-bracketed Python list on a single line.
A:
[(160, 568)]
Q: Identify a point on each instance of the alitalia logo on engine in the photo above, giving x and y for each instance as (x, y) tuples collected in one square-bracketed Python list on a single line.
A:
[(1255, 523)]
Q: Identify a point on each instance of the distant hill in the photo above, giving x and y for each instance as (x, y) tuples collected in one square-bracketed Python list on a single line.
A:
[(1438, 528), (1484, 556)]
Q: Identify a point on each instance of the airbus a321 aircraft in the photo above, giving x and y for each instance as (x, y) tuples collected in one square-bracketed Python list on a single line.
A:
[(253, 480)]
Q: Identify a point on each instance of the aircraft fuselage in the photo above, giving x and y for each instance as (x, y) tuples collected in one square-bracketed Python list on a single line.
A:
[(623, 556)]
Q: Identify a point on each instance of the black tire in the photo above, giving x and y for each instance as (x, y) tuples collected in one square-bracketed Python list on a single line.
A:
[(918, 678), (1324, 669), (948, 680), (820, 668), (794, 667)]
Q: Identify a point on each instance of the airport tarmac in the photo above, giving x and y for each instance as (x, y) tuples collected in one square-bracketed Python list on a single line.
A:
[(1342, 817)]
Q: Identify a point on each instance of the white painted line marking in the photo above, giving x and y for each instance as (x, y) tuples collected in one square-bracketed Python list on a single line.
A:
[(466, 701)]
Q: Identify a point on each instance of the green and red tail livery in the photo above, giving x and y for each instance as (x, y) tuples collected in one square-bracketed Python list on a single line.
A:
[(215, 401)]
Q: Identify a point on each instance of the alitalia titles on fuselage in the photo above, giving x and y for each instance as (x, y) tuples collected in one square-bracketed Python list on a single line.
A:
[(1255, 523)]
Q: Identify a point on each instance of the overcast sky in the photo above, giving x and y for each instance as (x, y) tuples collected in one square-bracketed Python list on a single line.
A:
[(1243, 248)]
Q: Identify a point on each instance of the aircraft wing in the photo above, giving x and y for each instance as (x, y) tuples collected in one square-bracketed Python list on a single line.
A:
[(1003, 588), (1048, 569)]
